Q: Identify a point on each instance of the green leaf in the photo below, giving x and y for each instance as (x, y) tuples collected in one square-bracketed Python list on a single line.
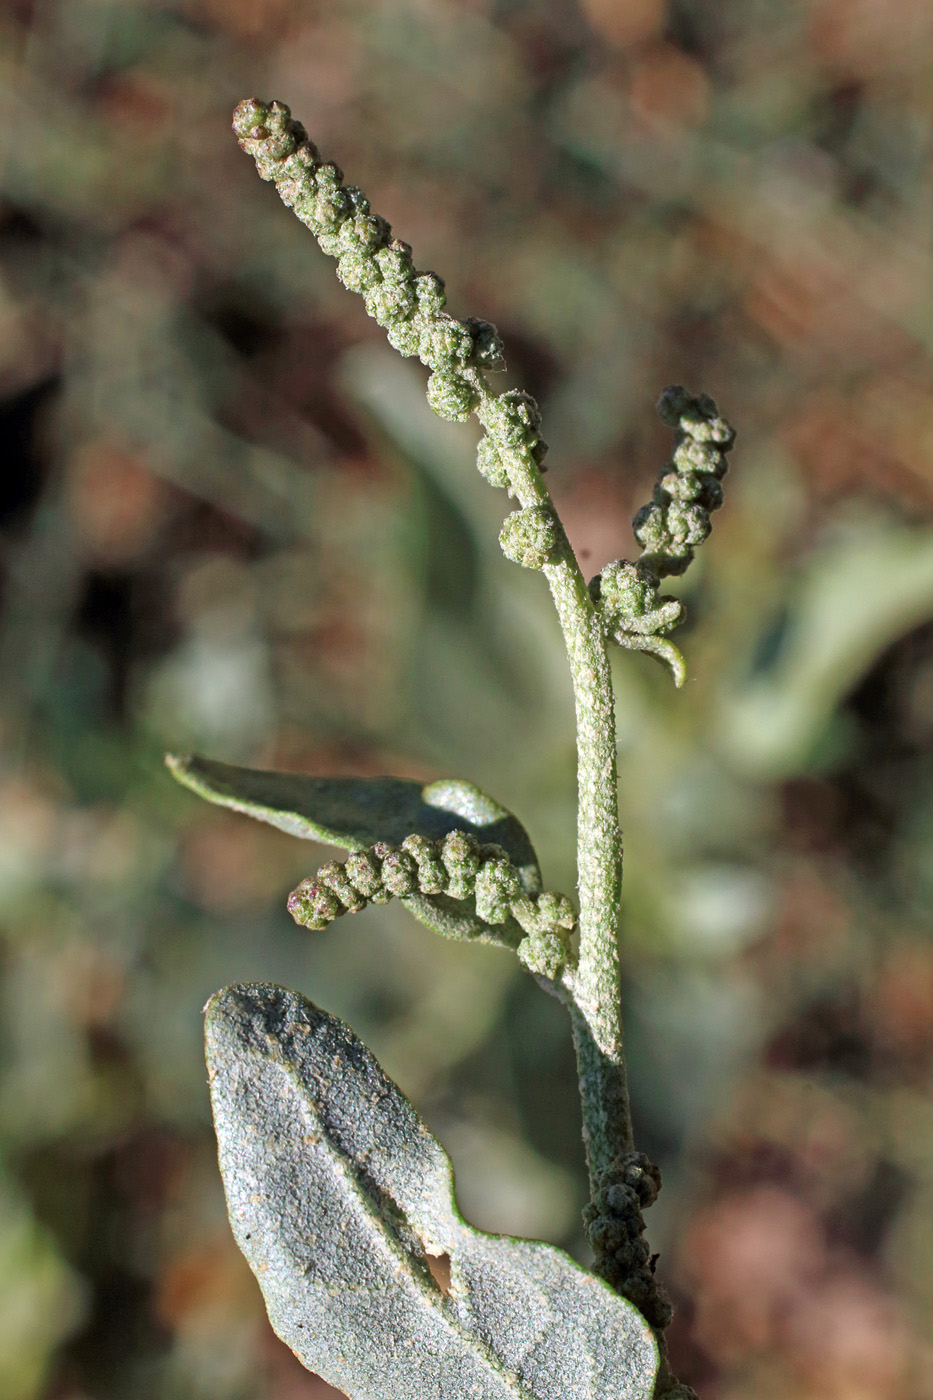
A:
[(338, 1194), (856, 596), (354, 813)]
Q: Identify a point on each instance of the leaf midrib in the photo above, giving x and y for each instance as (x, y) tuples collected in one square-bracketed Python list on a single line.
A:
[(387, 1238)]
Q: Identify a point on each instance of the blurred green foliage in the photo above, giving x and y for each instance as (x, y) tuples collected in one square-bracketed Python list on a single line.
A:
[(230, 523)]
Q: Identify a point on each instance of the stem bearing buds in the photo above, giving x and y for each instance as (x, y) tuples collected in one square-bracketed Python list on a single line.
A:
[(513, 427)]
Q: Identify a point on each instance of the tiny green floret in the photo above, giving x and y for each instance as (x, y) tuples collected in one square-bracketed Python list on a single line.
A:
[(530, 537)]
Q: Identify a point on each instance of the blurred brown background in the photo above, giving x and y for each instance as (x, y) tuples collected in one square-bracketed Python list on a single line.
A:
[(230, 524)]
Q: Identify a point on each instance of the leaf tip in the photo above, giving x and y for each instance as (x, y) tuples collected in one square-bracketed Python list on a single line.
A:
[(179, 765), (209, 1006)]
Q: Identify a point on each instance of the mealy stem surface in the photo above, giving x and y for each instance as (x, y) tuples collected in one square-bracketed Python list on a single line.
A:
[(592, 991)]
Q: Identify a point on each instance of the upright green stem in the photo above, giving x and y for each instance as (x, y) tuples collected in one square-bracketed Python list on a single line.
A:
[(594, 999), (592, 992)]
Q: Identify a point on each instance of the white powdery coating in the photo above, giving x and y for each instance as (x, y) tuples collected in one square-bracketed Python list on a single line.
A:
[(337, 1191)]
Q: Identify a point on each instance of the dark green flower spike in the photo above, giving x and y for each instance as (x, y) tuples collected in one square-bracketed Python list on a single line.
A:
[(689, 488)]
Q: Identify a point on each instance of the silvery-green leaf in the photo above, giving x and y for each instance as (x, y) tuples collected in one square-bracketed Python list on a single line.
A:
[(357, 812), (338, 1193), (854, 598)]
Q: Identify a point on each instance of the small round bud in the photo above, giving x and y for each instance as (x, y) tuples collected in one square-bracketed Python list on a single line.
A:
[(529, 537), (357, 270), (313, 905), (429, 291), (365, 872), (650, 530), (696, 425), (699, 457), (329, 243), (497, 884), (516, 418), (672, 405), (556, 911), (372, 231), (331, 206), (328, 178), (388, 302), (451, 396), (359, 204), (487, 352), (691, 488), (624, 588), (279, 145), (278, 115), (334, 876), (248, 115), (460, 855), (432, 875), (722, 433), (399, 870), (698, 418), (445, 343), (404, 337), (543, 953), (301, 165), (395, 262), (689, 525), (676, 486)]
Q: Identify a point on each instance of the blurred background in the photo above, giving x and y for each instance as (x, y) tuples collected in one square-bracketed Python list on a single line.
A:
[(231, 525)]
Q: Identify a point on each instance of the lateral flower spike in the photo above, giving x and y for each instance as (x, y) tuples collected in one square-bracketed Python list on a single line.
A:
[(458, 867), (689, 488), (408, 304)]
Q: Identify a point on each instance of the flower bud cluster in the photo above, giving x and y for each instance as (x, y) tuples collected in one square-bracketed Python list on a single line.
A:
[(457, 866), (689, 487), (530, 536), (614, 1224), (545, 952), (628, 600), (513, 429), (635, 613), (407, 303)]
